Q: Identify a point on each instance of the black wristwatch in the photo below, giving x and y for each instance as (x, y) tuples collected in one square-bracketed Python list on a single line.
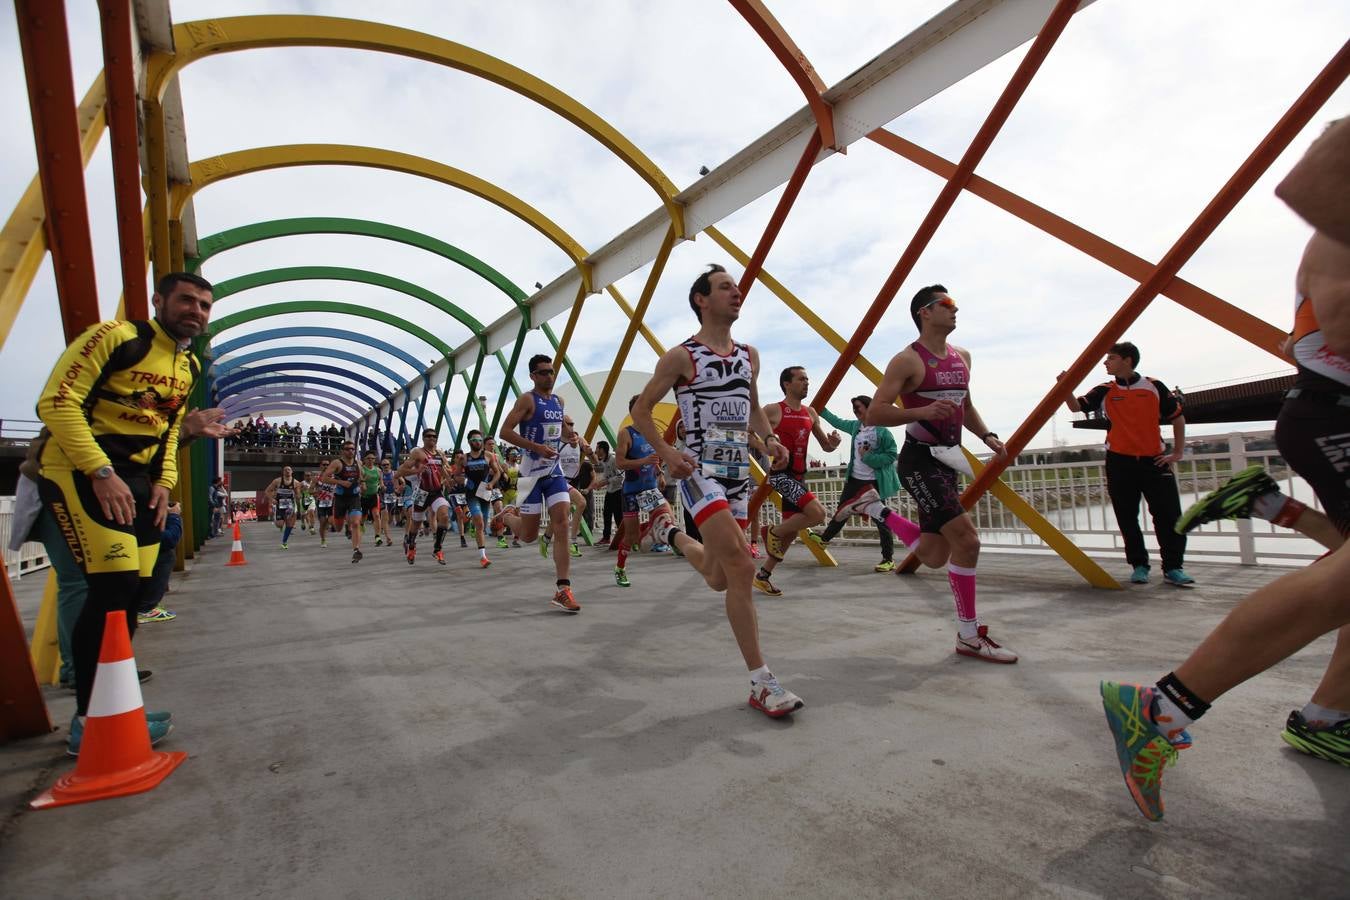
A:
[(988, 435)]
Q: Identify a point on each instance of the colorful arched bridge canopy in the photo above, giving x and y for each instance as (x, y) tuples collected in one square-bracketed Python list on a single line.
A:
[(278, 354), (307, 331), (255, 382), (268, 310)]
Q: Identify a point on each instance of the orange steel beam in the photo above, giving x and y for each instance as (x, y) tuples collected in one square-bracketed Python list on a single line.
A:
[(51, 99), (1196, 299), (795, 61), (119, 63), (1285, 130), (790, 192), (23, 713), (1040, 48)]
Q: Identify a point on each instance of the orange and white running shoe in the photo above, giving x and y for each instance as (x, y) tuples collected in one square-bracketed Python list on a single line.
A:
[(440, 556), (565, 601), (484, 562)]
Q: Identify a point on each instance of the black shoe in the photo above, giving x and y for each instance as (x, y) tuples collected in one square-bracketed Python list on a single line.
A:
[(462, 541), (143, 675)]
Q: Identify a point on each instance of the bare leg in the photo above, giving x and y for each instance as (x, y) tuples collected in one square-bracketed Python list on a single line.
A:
[(1273, 623), (562, 560), (1334, 691)]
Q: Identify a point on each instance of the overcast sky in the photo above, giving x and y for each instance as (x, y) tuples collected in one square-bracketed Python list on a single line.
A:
[(1140, 114)]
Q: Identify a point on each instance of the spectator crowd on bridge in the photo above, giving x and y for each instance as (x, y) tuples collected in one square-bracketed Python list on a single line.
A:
[(262, 434)]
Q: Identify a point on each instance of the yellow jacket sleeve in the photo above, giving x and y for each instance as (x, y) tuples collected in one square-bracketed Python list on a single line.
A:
[(61, 407), (168, 475)]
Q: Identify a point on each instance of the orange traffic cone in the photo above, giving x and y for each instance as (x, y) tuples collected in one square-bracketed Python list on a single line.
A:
[(115, 756), (237, 550)]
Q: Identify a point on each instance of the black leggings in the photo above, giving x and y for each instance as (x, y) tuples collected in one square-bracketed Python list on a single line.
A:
[(613, 511), (852, 488), (1131, 478), (1313, 434)]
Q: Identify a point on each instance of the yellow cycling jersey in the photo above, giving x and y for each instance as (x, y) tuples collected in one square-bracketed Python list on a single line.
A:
[(116, 397)]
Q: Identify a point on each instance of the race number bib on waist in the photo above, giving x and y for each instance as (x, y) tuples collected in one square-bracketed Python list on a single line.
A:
[(650, 499), (726, 452), (483, 492), (420, 497)]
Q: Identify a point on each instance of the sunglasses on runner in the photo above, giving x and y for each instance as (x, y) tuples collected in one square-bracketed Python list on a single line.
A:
[(948, 302), (475, 440), (539, 373)]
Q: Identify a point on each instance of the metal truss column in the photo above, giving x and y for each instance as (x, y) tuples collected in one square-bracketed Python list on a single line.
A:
[(51, 98), (1054, 26), (515, 360), (581, 385), (648, 290), (119, 72), (1279, 138), (473, 402)]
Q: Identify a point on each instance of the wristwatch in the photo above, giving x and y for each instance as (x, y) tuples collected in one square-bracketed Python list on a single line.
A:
[(987, 435), (104, 473)]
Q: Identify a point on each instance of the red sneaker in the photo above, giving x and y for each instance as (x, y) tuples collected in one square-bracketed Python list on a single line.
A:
[(440, 556)]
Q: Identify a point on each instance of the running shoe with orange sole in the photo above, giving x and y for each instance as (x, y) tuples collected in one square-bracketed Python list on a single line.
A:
[(484, 562), (1142, 750), (566, 601)]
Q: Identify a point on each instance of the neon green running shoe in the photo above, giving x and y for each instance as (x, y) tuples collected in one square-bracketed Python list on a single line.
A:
[(576, 553), (1231, 501), (543, 547), (1329, 742), (621, 578), (501, 542), (1141, 749)]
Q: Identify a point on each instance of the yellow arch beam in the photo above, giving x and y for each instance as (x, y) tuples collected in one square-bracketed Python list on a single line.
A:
[(210, 171), (196, 40), (23, 240)]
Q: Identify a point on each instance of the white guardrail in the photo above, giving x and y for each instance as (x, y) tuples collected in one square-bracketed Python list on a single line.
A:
[(30, 558), (1073, 497)]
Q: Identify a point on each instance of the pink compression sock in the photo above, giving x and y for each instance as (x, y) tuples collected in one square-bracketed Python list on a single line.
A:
[(904, 529), (963, 590)]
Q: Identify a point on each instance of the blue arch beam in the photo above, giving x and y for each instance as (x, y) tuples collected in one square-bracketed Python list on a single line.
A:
[(296, 331), (222, 370), (367, 401), (296, 393), (299, 366)]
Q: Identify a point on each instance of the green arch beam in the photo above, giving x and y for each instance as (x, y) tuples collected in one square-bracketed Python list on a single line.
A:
[(275, 228), (292, 307), (252, 280), (260, 231)]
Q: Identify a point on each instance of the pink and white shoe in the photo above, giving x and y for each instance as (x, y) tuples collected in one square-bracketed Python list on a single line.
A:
[(984, 647)]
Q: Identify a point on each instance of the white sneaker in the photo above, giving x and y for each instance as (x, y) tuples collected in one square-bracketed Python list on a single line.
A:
[(983, 647), (858, 503), (772, 699)]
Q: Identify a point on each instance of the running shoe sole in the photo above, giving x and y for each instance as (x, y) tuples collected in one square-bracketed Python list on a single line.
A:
[(1331, 744), (1141, 752), (766, 587), (560, 605), (1231, 501), (781, 712)]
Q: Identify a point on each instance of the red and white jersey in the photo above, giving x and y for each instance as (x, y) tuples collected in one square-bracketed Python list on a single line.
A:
[(429, 479)]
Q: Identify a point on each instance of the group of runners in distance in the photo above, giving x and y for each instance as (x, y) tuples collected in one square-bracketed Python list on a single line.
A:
[(723, 429)]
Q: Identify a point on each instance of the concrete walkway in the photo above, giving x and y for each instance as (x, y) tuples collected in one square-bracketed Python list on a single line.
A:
[(393, 732)]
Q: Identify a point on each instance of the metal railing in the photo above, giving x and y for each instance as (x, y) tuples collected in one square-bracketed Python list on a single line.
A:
[(1073, 497), (31, 557)]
